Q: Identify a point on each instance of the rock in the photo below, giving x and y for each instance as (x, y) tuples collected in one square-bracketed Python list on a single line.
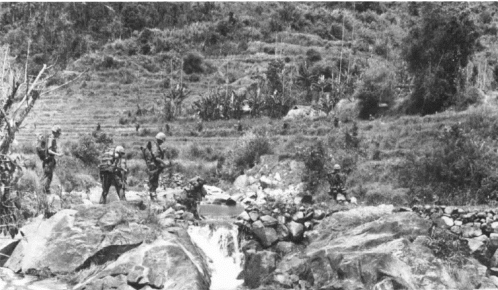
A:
[(494, 226), (307, 112), (478, 244), (248, 245), (64, 242), (188, 216), (307, 199), (458, 223), (471, 231), (353, 200), (296, 231), (299, 217), (266, 182), (493, 271), (215, 195), (308, 225), (283, 232), (241, 181), (254, 215), (7, 246), (284, 248), (448, 210), (266, 236), (258, 266), (244, 216), (445, 222), (268, 221), (319, 214), (172, 256), (493, 241), (167, 222), (456, 229)]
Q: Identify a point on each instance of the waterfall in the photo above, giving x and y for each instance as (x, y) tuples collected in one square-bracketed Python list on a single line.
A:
[(219, 243)]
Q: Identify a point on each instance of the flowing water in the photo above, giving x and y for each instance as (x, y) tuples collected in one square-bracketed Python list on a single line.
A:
[(217, 238)]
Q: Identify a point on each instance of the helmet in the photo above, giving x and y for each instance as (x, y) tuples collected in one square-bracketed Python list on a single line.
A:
[(56, 129), (161, 136), (337, 167), (119, 149)]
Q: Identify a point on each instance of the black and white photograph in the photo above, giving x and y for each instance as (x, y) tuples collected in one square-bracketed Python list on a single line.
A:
[(249, 145)]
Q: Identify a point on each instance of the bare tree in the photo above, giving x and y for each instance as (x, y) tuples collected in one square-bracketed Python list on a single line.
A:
[(18, 95)]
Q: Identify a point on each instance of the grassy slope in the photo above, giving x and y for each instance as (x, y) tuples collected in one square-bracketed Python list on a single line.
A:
[(105, 96)]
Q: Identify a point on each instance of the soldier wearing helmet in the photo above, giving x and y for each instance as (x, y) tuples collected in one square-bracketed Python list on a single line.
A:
[(49, 163), (336, 181), (154, 155), (113, 171)]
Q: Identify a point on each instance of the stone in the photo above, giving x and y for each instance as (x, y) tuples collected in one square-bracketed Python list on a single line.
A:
[(299, 217), (284, 248), (266, 236), (471, 231), (296, 231), (319, 214), (146, 267), (445, 222), (241, 181), (268, 221), (458, 223), (65, 241), (244, 216), (308, 225), (478, 243), (493, 241), (258, 266), (448, 210), (456, 229), (254, 215)]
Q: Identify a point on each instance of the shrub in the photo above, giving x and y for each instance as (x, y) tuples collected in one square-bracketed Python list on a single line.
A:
[(29, 182), (86, 150), (313, 56), (458, 169), (192, 63), (245, 154), (314, 158), (193, 78), (376, 87)]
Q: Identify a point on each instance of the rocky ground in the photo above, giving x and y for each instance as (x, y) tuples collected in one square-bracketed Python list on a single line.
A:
[(288, 241)]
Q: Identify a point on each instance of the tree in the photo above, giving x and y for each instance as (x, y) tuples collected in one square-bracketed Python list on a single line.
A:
[(436, 48), (19, 95)]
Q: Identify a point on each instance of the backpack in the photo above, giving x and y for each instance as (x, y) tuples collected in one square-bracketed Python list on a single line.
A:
[(106, 160), (42, 146)]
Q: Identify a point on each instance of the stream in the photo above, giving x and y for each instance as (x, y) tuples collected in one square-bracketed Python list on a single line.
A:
[(216, 236)]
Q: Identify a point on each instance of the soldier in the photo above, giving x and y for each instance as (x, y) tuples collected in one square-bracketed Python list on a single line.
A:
[(113, 171), (194, 194), (48, 163), (153, 155), (336, 181)]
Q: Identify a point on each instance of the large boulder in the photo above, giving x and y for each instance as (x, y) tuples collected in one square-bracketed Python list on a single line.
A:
[(170, 262), (266, 235), (307, 112), (73, 239), (371, 247), (258, 266)]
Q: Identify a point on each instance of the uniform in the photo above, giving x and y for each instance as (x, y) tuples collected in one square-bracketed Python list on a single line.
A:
[(49, 166), (336, 181), (155, 166), (112, 173)]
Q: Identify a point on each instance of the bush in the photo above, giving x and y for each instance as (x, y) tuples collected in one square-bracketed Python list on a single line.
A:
[(313, 56), (376, 88), (192, 63), (29, 182), (314, 158), (245, 155), (458, 169), (86, 150)]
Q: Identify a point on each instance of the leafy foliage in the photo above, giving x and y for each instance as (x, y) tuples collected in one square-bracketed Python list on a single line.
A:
[(436, 49)]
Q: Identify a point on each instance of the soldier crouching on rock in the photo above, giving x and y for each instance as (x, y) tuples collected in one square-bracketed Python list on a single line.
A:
[(336, 181), (192, 195)]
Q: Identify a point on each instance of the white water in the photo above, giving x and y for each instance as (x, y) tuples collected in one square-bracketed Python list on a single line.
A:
[(219, 243)]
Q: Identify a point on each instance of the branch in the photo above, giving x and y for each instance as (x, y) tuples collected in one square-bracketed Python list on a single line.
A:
[(30, 89), (65, 84)]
